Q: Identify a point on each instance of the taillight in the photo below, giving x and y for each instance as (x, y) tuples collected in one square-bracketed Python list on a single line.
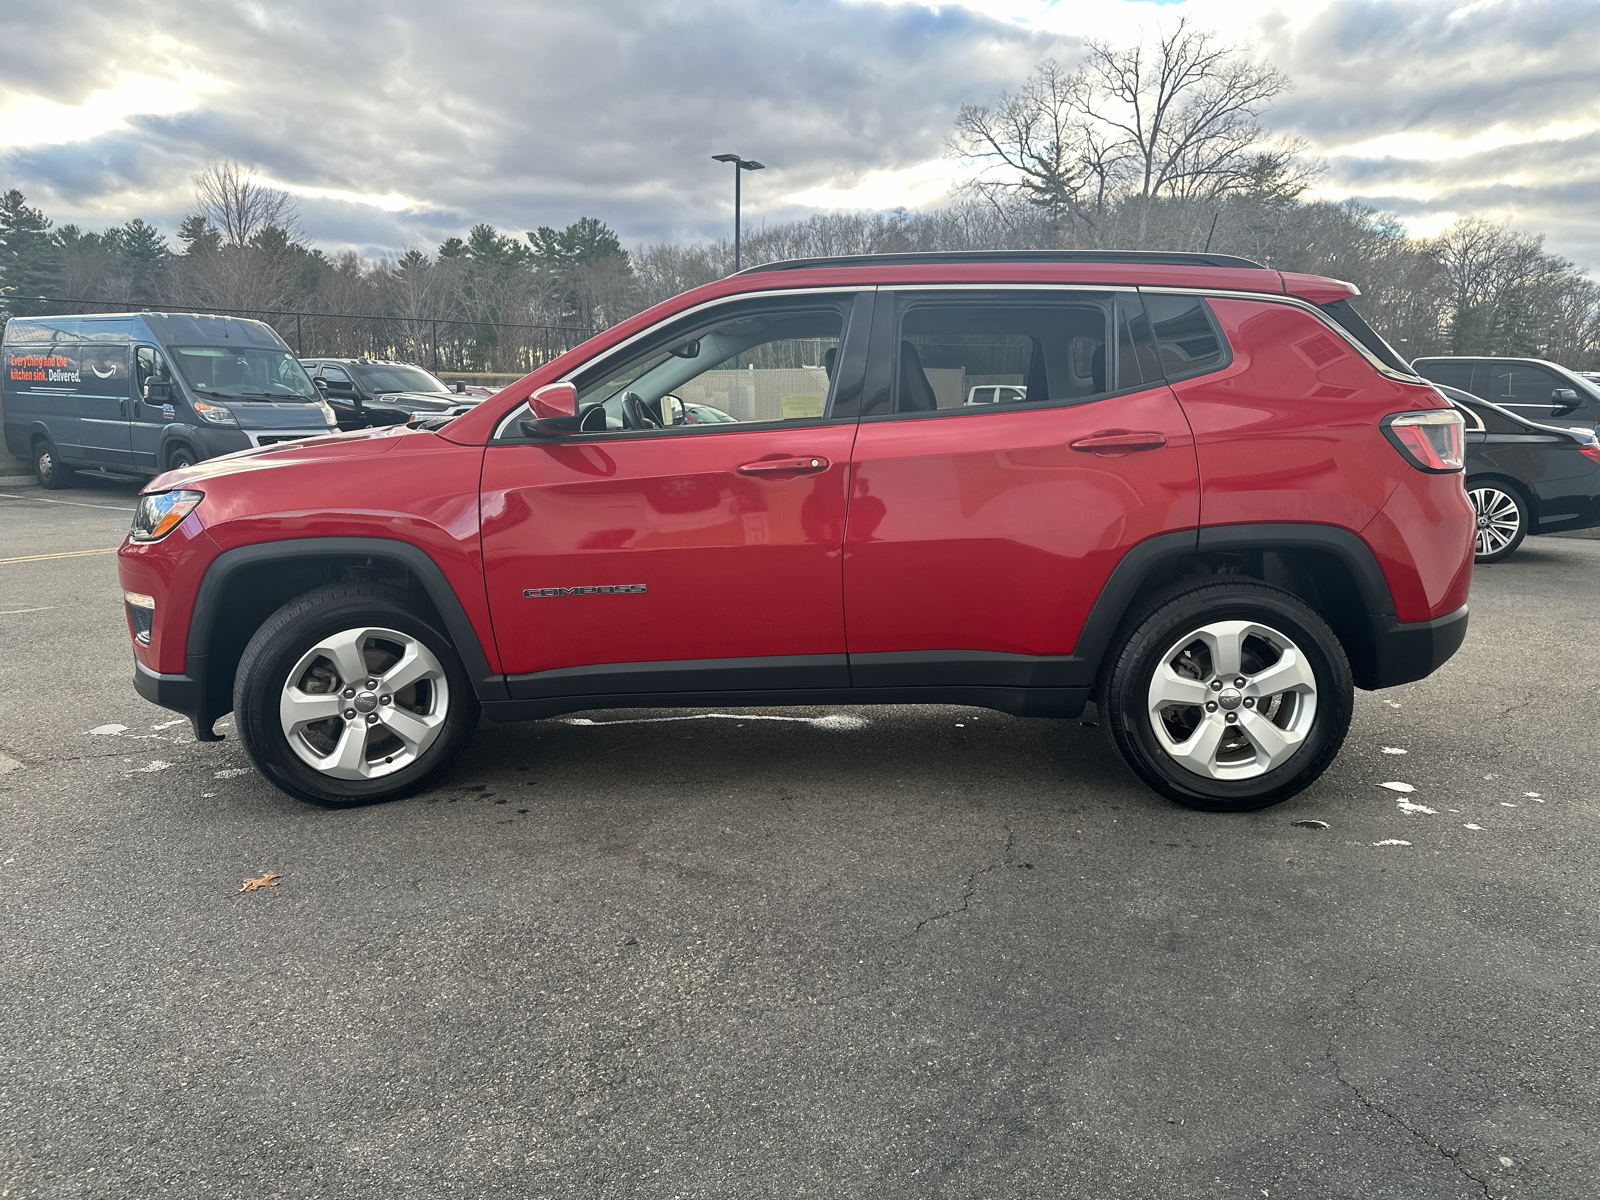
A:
[(1430, 441), (1590, 450)]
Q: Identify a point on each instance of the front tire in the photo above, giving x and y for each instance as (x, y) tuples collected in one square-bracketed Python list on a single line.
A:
[(1228, 697), (346, 697), (181, 457), (1503, 519)]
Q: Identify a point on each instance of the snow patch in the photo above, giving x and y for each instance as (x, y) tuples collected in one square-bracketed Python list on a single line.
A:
[(1469, 826), (1392, 842), (1398, 787), (230, 773), (155, 765), (1393, 750), (7, 764), (1406, 806), (169, 724), (1531, 795), (832, 721), (108, 730)]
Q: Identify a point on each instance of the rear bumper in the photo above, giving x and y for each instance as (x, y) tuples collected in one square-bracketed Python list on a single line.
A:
[(1408, 651)]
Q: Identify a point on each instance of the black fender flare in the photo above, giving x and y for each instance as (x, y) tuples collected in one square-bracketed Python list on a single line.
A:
[(488, 684)]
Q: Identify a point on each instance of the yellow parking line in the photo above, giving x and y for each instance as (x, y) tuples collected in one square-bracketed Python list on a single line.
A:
[(63, 554)]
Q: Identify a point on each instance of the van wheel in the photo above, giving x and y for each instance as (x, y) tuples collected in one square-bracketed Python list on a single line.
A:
[(346, 696), (48, 469), (181, 457), (1229, 697)]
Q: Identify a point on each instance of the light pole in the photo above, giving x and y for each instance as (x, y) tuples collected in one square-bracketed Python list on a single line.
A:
[(739, 164)]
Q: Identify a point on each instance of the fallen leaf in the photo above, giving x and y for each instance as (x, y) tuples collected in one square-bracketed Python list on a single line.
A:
[(266, 880)]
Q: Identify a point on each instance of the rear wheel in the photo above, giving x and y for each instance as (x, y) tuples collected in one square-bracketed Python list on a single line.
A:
[(48, 469), (181, 457), (1229, 697), (346, 696), (1502, 519)]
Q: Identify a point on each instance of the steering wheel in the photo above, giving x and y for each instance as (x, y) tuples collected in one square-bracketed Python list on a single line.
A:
[(638, 413)]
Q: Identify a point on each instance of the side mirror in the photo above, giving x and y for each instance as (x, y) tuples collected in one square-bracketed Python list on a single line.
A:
[(1567, 398), (321, 385), (555, 411), (157, 391)]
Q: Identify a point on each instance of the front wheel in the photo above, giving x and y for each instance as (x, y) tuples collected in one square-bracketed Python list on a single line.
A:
[(1229, 697), (346, 696), (180, 458), (1502, 520)]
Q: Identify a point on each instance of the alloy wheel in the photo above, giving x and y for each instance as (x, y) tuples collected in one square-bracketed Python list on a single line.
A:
[(1499, 519), (1232, 700), (364, 703)]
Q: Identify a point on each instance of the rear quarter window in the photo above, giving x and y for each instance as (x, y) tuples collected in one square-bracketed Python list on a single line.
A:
[(1187, 340)]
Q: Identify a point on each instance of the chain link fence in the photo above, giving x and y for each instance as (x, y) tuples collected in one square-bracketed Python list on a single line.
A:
[(460, 348)]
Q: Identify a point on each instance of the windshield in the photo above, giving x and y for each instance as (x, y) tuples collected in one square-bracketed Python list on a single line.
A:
[(397, 377), (245, 373)]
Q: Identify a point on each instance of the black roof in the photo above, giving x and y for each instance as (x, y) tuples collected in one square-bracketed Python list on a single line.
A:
[(1163, 258)]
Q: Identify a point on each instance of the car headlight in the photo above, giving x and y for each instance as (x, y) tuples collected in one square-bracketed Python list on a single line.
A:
[(327, 412), (215, 413), (158, 514)]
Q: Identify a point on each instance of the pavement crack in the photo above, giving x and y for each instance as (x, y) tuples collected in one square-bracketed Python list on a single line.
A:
[(971, 886), (1371, 1105)]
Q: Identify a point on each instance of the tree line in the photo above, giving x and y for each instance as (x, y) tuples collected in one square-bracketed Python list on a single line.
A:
[(1156, 146)]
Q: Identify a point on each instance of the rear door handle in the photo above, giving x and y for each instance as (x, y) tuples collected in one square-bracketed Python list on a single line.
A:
[(1116, 442), (804, 464)]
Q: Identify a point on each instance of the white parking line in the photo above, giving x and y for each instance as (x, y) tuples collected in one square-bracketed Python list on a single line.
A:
[(73, 503), (17, 612), (60, 554)]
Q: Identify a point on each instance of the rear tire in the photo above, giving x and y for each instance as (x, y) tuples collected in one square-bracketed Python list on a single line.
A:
[(48, 468), (346, 696), (1503, 519), (1228, 697), (181, 457)]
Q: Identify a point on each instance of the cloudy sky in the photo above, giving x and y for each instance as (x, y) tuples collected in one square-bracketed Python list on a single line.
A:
[(400, 124)]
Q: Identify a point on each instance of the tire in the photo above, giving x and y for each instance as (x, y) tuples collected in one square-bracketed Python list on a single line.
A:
[(1192, 754), (48, 468), (1503, 519), (180, 457), (299, 736)]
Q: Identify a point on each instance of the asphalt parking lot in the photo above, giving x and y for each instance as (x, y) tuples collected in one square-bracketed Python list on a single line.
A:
[(836, 952)]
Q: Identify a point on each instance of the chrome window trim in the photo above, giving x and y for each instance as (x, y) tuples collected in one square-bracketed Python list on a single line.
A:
[(736, 297), (1007, 287), (1302, 303)]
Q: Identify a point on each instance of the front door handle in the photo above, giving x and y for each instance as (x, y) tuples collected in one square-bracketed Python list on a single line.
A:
[(1113, 443), (804, 464)]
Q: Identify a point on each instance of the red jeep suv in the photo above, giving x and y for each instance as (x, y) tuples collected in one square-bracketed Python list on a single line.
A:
[(1210, 498)]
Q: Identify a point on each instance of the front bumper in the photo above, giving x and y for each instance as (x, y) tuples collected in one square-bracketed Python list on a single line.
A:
[(1407, 651), (181, 693)]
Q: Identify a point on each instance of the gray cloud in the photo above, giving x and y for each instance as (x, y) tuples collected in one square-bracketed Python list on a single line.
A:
[(531, 114)]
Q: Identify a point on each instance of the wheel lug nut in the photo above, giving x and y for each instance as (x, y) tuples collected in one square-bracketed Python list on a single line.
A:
[(372, 683), (349, 693), (1211, 706), (1249, 703), (1216, 685), (384, 699), (1238, 683), (1232, 718), (349, 714), (372, 718)]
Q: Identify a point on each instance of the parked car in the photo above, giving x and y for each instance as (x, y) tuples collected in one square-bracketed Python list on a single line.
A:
[(1530, 387), (995, 394), (1524, 478), (145, 392), (1224, 505), (367, 392)]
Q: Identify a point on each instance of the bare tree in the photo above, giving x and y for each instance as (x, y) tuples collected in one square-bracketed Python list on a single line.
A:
[(1178, 119), (227, 195)]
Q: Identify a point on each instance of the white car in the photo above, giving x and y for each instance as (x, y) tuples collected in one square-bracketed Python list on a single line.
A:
[(997, 394)]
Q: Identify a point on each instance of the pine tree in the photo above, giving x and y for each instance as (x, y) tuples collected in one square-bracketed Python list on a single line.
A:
[(30, 262)]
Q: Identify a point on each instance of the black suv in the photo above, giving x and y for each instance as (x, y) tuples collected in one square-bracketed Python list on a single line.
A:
[(365, 392), (1530, 387)]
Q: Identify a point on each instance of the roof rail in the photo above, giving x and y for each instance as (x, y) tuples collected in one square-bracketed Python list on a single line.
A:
[(1169, 258)]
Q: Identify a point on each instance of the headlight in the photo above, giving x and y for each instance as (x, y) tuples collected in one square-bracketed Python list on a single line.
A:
[(327, 412), (214, 413), (158, 514)]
